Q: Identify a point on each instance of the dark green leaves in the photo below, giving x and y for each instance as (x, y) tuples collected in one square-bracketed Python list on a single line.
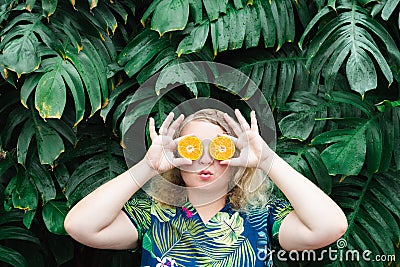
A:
[(275, 74), (308, 161), (43, 181), (229, 25), (12, 257), (362, 142), (54, 213), (48, 140), (371, 208), (349, 36), (347, 153), (140, 51), (92, 173), (24, 194), (45, 136), (49, 7), (170, 15), (396, 128), (350, 142), (11, 233), (20, 43), (50, 95), (214, 8), (195, 40), (270, 20), (387, 8), (30, 45), (306, 109), (361, 72), (21, 55)]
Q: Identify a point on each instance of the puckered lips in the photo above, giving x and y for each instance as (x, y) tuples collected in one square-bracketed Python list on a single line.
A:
[(205, 174)]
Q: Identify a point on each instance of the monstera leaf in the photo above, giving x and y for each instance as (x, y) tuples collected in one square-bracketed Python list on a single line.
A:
[(372, 208), (12, 257), (368, 140), (53, 214), (20, 44), (387, 8), (104, 164), (48, 140), (275, 74), (7, 232), (305, 108), (10, 234), (230, 25), (140, 51), (308, 161), (348, 40)]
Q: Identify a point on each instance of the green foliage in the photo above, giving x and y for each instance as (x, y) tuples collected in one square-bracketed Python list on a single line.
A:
[(70, 70), (230, 25), (372, 207), (352, 35)]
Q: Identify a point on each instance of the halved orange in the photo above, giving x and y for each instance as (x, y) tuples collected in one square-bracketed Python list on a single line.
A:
[(222, 148), (190, 147)]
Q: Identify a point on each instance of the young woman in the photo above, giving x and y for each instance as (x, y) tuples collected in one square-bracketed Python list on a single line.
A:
[(226, 215)]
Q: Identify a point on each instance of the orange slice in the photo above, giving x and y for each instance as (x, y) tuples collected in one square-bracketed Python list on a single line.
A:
[(222, 148), (190, 147)]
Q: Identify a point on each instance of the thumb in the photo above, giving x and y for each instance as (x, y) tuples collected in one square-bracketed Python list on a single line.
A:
[(181, 161), (236, 162)]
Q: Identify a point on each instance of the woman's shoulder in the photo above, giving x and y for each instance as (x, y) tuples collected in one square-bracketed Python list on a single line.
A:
[(163, 212)]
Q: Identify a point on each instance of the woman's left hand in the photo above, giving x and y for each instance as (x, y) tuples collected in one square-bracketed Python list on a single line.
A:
[(254, 151)]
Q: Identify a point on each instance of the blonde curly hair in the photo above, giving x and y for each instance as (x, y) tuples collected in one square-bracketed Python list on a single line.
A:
[(249, 187)]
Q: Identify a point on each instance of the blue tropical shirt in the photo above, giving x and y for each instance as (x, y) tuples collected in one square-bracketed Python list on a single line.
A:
[(176, 236)]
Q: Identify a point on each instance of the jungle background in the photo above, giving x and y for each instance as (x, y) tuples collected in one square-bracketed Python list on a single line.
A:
[(329, 70)]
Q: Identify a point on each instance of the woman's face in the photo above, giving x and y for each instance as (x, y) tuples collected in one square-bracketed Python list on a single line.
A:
[(205, 172)]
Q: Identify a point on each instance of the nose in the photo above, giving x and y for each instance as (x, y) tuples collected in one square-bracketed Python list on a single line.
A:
[(206, 158)]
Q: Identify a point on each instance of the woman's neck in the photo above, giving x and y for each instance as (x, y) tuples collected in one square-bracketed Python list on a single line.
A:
[(208, 210)]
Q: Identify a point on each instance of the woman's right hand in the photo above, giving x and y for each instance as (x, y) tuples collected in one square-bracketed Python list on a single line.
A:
[(160, 155)]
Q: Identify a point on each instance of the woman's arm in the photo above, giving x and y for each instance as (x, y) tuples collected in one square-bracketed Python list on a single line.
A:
[(316, 220), (97, 220)]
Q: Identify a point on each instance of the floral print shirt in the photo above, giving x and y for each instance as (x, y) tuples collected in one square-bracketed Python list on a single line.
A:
[(176, 236)]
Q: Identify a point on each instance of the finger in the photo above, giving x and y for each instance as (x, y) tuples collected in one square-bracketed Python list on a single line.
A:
[(253, 121), (166, 123), (234, 162), (174, 125), (181, 161), (152, 129), (231, 122), (242, 120), (225, 162)]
